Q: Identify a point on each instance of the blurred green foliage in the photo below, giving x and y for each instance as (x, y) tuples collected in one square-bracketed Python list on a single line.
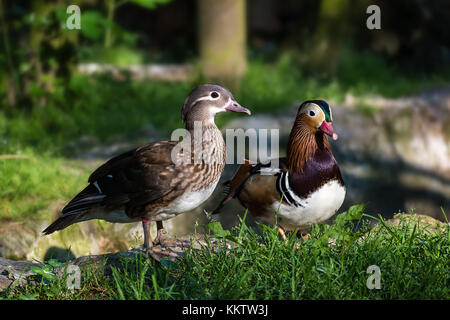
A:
[(100, 106), (40, 53)]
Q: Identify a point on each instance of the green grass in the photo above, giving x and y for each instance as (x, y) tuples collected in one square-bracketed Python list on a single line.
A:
[(31, 184), (413, 264)]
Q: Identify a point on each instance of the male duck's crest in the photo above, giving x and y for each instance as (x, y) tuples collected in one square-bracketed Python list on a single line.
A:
[(324, 106)]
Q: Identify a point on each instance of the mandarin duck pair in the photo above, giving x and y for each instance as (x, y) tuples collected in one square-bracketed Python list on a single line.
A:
[(152, 183)]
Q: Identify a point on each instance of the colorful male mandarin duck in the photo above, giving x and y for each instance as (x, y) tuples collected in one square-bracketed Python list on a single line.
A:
[(306, 188), (152, 183)]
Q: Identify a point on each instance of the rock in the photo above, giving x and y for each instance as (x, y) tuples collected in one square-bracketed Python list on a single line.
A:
[(411, 129), (17, 238), (424, 223), (421, 223), (11, 271)]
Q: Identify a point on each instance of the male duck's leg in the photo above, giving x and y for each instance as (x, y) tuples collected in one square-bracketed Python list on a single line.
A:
[(299, 234), (161, 233), (303, 234), (281, 232)]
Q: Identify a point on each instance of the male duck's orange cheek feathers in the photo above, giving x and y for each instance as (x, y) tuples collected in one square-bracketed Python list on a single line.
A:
[(311, 123)]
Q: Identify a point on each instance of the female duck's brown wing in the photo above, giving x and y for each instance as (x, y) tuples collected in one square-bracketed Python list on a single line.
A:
[(157, 153), (133, 179)]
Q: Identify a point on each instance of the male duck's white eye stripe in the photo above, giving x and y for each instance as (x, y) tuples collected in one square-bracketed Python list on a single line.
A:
[(326, 110)]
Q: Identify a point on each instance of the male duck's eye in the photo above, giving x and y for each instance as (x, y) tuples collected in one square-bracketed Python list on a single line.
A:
[(312, 113), (214, 95)]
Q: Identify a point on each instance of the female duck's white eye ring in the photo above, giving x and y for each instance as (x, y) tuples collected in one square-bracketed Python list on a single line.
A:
[(215, 95)]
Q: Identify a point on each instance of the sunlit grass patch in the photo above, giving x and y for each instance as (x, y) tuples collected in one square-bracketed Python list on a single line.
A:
[(29, 184)]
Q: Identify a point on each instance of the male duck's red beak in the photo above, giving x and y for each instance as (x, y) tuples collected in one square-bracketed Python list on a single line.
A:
[(327, 128)]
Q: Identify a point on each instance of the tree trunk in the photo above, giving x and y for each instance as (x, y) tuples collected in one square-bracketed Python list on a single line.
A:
[(222, 39), (110, 8), (12, 75), (329, 35)]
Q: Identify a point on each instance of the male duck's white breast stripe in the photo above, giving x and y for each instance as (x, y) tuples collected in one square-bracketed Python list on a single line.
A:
[(289, 195)]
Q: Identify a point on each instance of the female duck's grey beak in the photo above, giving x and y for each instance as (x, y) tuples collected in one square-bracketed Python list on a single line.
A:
[(236, 107)]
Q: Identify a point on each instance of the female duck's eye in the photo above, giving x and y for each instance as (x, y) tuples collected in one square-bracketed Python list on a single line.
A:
[(312, 113), (214, 95)]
